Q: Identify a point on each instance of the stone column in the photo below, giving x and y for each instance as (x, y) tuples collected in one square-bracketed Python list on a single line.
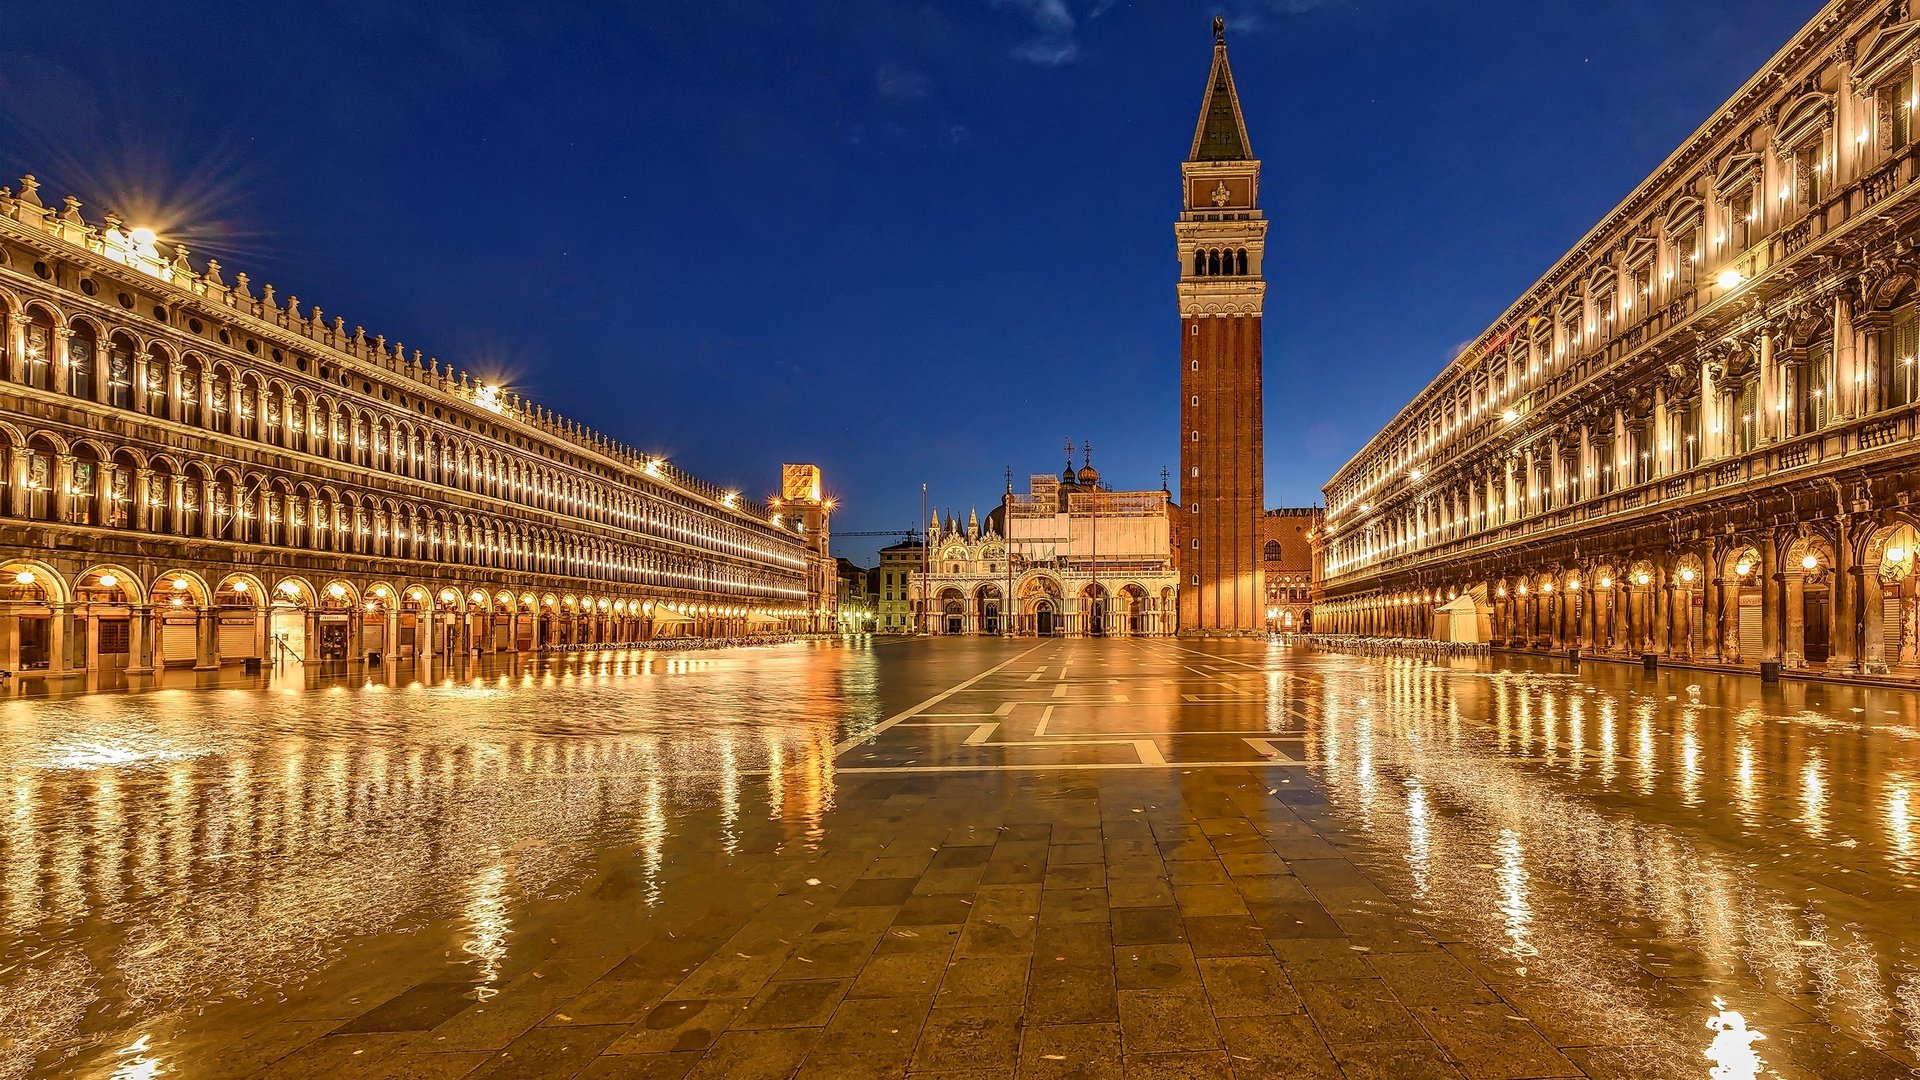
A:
[(206, 646), (16, 347), (1845, 390), (1772, 601), (1794, 605), (1712, 611), (1662, 617), (1873, 646), (62, 483), (1843, 615), (57, 665), (1771, 419), (139, 656)]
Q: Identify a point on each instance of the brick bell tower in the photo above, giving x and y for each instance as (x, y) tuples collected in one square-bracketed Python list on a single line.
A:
[(1222, 238)]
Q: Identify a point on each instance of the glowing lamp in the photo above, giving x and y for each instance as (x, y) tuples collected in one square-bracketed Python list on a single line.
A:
[(1731, 279), (336, 590), (108, 581), (1809, 562), (24, 577), (1743, 567), (1641, 578), (1897, 554), (1510, 415), (1686, 573)]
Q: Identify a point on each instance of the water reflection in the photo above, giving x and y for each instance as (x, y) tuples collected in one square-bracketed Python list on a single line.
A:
[(1732, 1050), (166, 849), (1720, 841)]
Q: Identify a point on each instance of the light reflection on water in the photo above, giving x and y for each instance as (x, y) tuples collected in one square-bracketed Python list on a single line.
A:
[(1722, 843), (161, 850)]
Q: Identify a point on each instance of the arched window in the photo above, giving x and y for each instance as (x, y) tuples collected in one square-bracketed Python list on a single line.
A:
[(1240, 262), (1199, 262), (1213, 262), (1273, 551)]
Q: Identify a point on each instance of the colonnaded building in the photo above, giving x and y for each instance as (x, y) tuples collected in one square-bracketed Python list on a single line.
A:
[(1076, 557), (198, 472), (1695, 435)]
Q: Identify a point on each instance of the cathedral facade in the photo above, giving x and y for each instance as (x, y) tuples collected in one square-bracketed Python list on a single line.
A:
[(1070, 557), (1221, 237)]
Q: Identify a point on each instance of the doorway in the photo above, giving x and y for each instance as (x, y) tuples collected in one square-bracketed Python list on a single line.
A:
[(1044, 623)]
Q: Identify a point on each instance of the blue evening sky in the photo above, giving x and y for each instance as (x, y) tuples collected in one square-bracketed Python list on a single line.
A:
[(910, 241)]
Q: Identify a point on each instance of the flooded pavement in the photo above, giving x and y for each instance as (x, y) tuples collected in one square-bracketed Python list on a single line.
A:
[(967, 857)]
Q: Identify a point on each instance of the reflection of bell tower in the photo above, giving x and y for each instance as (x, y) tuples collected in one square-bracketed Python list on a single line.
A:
[(1222, 238)]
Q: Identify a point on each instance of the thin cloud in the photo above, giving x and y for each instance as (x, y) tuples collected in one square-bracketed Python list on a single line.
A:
[(1055, 25), (901, 84)]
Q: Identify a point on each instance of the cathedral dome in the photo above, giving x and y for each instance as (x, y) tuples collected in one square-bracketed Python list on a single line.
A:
[(1089, 476)]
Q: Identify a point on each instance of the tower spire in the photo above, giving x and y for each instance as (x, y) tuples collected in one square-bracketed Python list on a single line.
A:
[(1221, 134)]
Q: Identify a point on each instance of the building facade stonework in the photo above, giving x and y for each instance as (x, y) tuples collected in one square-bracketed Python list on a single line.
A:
[(1076, 558), (1695, 436), (1286, 560), (1221, 242), (196, 471)]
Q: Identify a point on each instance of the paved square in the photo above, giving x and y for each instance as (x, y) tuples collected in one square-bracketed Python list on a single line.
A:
[(967, 858)]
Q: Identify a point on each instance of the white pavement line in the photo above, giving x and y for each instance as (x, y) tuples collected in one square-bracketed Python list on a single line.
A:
[(1265, 746), (1006, 708), (981, 733), (943, 723), (1149, 752), (1060, 690), (1046, 717), (1219, 659), (852, 741), (1066, 767), (1035, 677)]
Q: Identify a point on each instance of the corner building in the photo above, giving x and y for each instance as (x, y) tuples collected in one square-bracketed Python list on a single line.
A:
[(1221, 237), (1695, 436), (195, 472)]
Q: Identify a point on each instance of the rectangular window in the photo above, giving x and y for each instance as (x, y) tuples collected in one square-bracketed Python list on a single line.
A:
[(1686, 256), (1739, 222), (1815, 394), (1810, 173), (1896, 115), (1903, 347)]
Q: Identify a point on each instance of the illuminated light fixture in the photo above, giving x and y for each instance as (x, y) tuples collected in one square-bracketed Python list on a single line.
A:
[(1510, 415), (24, 577), (1686, 573), (1573, 584), (336, 590), (1809, 562), (1546, 586), (1731, 279), (1417, 474), (179, 601), (1641, 578), (1743, 567), (179, 584), (1897, 554), (1606, 582)]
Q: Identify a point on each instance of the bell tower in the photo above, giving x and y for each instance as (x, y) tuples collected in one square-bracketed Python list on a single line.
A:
[(1221, 237)]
